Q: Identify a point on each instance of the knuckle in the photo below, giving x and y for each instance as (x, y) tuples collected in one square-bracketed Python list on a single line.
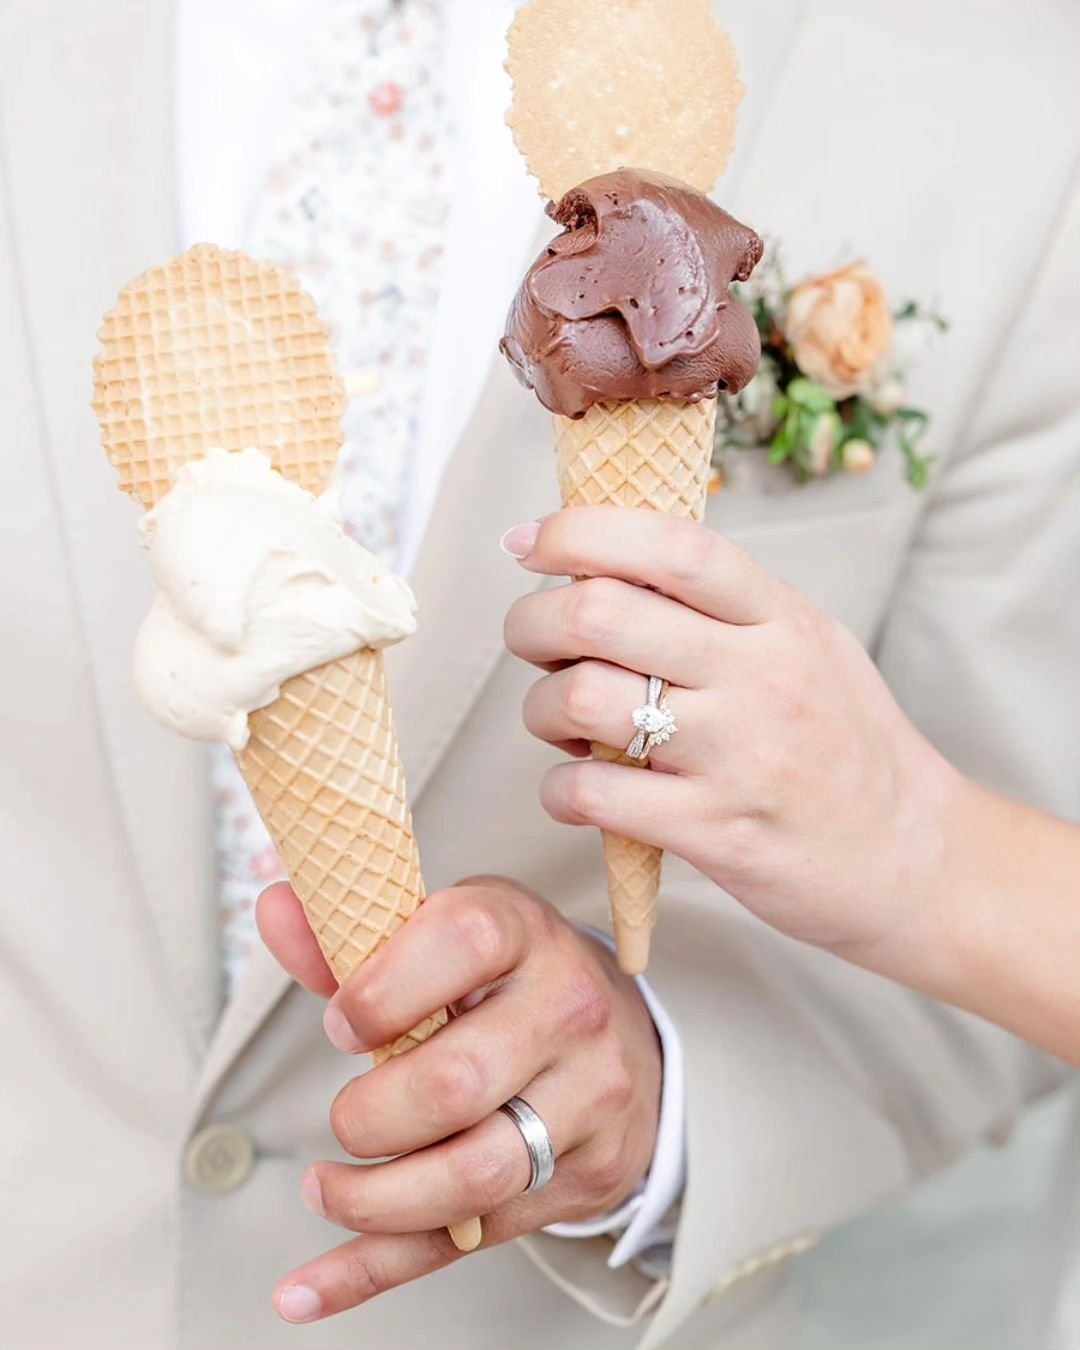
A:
[(743, 839), (492, 1176), (604, 1180), (364, 1274), (584, 796), (345, 1205), (764, 766), (559, 532), (542, 924), (477, 931), (366, 998), (614, 1088), (583, 696), (569, 534), (594, 609), (692, 552), (586, 1009), (453, 1084), (617, 1088)]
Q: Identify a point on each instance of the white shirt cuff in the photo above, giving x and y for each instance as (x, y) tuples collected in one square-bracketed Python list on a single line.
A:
[(640, 1218)]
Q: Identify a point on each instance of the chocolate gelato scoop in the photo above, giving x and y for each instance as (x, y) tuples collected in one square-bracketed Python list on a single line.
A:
[(631, 301)]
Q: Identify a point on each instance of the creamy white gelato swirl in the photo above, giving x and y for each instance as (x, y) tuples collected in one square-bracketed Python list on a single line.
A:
[(257, 582)]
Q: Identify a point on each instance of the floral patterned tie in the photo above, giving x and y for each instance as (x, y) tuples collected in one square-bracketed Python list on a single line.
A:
[(355, 205)]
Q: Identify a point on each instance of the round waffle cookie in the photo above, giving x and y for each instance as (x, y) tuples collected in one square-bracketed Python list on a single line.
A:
[(606, 84), (215, 350)]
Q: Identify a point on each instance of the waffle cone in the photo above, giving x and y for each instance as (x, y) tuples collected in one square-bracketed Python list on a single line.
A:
[(323, 767), (653, 454), (217, 350)]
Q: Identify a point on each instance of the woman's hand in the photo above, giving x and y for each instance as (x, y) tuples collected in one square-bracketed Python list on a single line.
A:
[(544, 1013), (794, 780)]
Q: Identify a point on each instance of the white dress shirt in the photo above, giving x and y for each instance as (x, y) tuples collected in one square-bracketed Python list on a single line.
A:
[(236, 62)]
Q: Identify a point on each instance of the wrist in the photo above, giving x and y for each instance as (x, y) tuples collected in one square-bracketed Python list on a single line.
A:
[(989, 920), (1008, 943), (923, 884), (949, 894)]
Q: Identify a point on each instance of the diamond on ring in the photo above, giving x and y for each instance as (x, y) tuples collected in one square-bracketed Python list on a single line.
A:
[(654, 722), (658, 723)]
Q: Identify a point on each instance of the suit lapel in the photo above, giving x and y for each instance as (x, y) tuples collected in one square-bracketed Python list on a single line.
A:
[(263, 986), (494, 215), (502, 467), (92, 204)]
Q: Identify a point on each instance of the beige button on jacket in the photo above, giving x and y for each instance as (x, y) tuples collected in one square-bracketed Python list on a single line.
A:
[(939, 139), (218, 1159)]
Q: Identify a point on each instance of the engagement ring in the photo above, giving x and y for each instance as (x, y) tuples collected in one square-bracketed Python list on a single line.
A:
[(654, 721)]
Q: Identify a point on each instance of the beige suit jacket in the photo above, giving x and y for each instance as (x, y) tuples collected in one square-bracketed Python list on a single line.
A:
[(941, 140)]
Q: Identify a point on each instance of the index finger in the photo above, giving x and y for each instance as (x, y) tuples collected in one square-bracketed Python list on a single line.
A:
[(280, 919), (367, 1266), (690, 563)]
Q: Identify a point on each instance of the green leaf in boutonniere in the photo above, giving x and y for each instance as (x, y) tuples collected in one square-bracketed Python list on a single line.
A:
[(783, 438), (913, 310), (911, 425), (862, 423), (810, 395)]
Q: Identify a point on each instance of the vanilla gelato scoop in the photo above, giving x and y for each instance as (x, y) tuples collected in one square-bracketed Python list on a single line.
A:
[(257, 582)]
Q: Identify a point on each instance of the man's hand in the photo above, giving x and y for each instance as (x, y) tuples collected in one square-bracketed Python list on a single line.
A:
[(543, 1012)]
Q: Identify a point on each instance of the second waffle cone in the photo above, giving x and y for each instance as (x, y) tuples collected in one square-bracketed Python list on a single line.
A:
[(654, 454), (323, 768)]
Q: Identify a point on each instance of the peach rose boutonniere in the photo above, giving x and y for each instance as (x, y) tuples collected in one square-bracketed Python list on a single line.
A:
[(839, 328), (830, 390)]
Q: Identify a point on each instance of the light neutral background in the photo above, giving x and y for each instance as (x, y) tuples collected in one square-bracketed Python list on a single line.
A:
[(946, 1268)]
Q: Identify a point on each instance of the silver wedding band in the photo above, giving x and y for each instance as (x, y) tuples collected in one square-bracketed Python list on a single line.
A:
[(654, 721), (537, 1142)]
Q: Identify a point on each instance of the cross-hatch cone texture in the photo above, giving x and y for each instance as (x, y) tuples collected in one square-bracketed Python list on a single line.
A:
[(217, 350), (653, 454)]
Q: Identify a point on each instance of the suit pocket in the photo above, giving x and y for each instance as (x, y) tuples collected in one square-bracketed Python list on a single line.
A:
[(758, 495), (846, 557)]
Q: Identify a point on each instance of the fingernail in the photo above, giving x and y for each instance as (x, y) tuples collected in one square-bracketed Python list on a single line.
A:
[(311, 1193), (338, 1031), (298, 1303), (521, 540)]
